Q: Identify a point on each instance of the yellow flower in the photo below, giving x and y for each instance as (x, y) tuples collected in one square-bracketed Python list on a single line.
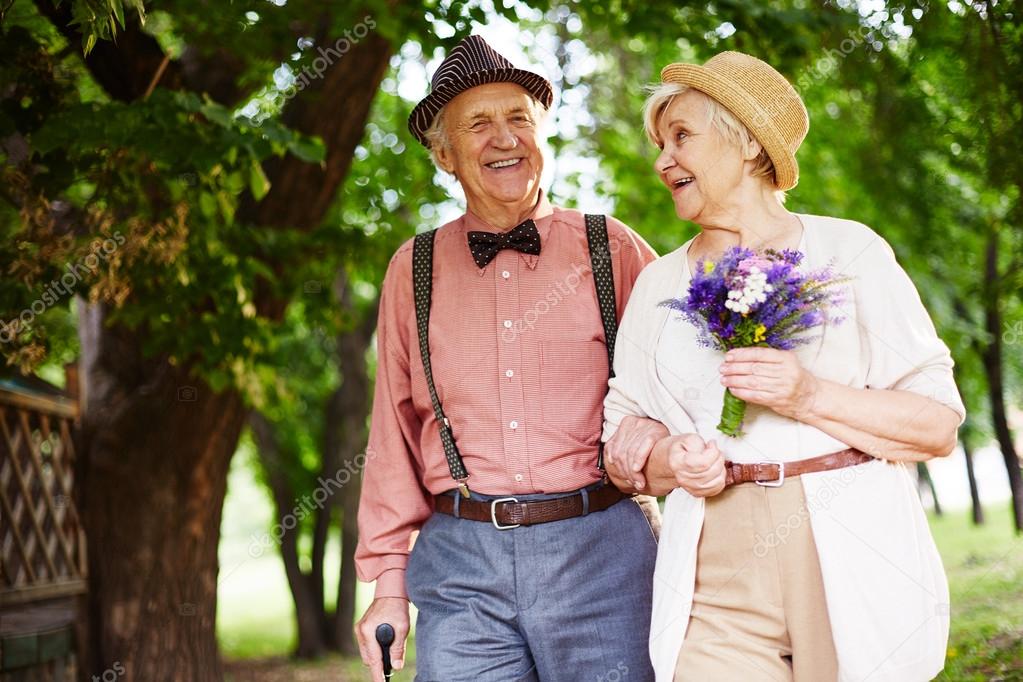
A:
[(708, 267), (760, 333)]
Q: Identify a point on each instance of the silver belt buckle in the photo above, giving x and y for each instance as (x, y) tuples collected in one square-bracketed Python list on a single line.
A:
[(781, 475), (493, 513)]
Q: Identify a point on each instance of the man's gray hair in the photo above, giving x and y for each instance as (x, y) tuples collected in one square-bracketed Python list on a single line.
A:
[(437, 135)]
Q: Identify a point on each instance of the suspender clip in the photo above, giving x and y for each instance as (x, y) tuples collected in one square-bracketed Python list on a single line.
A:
[(463, 487)]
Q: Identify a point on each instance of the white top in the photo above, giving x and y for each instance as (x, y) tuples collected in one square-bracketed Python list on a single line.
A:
[(886, 589)]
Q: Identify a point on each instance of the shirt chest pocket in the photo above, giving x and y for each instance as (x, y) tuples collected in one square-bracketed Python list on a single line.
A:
[(573, 382)]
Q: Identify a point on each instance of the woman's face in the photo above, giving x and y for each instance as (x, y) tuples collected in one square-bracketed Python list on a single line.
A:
[(699, 167)]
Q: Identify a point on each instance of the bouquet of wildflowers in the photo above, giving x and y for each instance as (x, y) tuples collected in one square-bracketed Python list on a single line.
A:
[(749, 299)]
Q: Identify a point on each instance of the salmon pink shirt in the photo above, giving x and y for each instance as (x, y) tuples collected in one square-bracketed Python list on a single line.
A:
[(520, 365)]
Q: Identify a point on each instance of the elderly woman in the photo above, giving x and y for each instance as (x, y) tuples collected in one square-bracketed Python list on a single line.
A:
[(799, 550)]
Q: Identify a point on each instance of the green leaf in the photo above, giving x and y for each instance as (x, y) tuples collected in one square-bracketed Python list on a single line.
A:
[(217, 114), (259, 184), (207, 204), (309, 149), (118, 10), (226, 203)]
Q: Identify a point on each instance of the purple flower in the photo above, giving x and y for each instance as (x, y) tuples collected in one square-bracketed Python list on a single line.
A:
[(750, 299)]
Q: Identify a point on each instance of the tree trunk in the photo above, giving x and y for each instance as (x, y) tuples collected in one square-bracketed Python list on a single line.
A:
[(925, 477), (992, 359), (330, 465), (353, 411), (307, 609), (978, 509), (157, 443), (156, 450), (347, 580)]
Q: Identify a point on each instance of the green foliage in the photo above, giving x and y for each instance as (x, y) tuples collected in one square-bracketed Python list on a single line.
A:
[(154, 187), (382, 205), (912, 111), (99, 19)]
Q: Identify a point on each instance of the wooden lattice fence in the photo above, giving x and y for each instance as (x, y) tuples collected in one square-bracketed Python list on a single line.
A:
[(42, 545)]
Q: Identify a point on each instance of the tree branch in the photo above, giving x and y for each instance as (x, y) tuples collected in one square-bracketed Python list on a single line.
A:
[(125, 68)]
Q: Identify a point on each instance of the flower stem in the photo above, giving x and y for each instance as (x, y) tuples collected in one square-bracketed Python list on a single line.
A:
[(732, 413)]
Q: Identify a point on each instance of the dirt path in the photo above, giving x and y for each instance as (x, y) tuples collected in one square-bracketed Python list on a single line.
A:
[(331, 669)]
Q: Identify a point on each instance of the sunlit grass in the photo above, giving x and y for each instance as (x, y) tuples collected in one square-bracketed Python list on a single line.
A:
[(985, 570)]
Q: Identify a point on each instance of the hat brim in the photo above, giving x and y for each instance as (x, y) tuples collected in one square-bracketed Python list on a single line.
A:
[(427, 109), (730, 96)]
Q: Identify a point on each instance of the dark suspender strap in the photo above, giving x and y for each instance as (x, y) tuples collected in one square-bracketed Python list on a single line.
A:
[(603, 280), (422, 283)]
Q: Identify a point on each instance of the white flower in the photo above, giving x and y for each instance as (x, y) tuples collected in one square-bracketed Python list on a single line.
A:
[(753, 292)]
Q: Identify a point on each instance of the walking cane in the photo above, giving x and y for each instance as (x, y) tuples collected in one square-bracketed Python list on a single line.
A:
[(385, 638)]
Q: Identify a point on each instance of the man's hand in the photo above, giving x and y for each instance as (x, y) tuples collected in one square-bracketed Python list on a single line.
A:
[(699, 467), (627, 452), (393, 610)]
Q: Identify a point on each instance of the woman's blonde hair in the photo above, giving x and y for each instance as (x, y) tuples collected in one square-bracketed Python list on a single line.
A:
[(728, 126)]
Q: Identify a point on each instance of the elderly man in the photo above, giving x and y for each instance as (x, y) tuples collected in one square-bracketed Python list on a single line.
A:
[(493, 344)]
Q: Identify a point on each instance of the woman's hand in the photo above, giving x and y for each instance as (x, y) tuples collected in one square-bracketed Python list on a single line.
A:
[(699, 467), (627, 452), (772, 378)]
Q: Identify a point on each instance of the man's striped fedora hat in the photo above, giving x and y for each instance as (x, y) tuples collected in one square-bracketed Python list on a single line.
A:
[(472, 62)]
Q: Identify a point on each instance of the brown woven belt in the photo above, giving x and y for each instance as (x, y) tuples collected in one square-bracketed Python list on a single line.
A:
[(507, 512), (773, 474)]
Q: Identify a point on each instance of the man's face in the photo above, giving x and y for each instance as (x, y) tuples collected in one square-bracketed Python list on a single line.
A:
[(494, 145)]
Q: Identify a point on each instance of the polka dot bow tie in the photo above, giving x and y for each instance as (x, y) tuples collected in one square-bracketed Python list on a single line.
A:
[(485, 245)]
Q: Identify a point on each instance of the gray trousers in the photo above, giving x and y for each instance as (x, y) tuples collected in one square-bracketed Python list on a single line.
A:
[(568, 600)]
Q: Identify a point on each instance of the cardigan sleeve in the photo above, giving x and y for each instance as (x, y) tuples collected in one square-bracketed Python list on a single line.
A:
[(626, 390), (635, 389), (903, 348)]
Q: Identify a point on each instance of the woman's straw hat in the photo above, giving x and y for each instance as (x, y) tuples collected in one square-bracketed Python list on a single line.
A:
[(758, 96)]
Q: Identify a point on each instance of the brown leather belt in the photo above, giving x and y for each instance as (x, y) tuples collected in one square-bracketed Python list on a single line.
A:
[(507, 512), (772, 474)]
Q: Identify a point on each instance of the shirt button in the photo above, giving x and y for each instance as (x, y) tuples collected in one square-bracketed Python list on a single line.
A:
[(509, 374), (518, 477), (513, 425), (505, 274), (508, 324)]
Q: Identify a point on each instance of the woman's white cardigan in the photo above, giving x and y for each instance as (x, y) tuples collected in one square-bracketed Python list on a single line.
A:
[(886, 589)]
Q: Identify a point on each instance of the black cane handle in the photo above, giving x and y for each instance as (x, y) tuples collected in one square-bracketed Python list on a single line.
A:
[(385, 638)]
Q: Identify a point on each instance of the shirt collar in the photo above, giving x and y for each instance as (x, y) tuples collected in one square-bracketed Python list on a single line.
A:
[(542, 215)]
